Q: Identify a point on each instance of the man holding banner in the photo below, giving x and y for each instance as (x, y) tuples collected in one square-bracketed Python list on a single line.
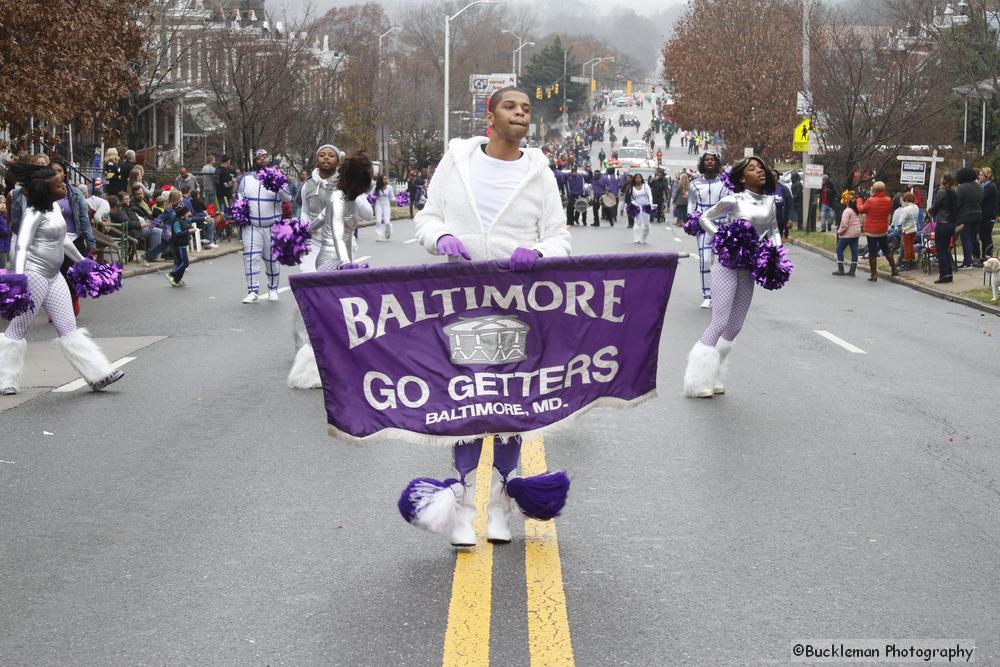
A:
[(514, 213), (511, 337)]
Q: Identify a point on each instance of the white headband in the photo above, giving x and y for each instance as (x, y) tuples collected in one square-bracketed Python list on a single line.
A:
[(340, 153)]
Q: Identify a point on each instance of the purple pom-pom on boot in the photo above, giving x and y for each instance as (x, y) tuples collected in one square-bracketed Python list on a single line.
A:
[(541, 497)]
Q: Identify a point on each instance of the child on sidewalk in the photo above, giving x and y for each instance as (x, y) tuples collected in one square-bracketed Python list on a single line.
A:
[(180, 225)]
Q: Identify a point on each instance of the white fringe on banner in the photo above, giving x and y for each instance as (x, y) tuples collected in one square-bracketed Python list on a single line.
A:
[(448, 440)]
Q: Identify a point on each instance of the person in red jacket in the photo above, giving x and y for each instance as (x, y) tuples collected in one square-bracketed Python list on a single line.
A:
[(879, 210)]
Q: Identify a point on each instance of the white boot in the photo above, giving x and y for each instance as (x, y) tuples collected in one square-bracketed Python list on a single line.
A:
[(88, 360), (702, 368), (498, 512), (304, 373), (724, 347), (11, 363), (463, 534)]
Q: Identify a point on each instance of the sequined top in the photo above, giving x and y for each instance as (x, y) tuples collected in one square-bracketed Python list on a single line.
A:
[(758, 210), (42, 244)]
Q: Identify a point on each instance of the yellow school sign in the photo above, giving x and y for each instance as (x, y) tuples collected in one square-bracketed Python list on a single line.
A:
[(800, 138)]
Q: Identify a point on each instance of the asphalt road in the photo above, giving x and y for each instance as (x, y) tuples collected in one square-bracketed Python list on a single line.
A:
[(197, 512)]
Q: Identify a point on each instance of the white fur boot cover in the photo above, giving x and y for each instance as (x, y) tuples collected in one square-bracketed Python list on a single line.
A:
[(702, 369), (724, 347), (84, 355), (11, 361), (304, 373)]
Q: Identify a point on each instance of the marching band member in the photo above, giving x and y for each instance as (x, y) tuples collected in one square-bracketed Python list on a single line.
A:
[(265, 210), (732, 289), (42, 246), (705, 192), (486, 221)]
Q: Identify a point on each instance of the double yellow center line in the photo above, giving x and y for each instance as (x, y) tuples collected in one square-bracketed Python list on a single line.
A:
[(467, 638)]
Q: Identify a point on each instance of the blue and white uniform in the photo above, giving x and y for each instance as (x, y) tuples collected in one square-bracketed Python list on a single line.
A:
[(703, 194), (265, 210)]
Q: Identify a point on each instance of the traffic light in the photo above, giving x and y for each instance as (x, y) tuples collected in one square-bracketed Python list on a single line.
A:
[(557, 87), (538, 93), (628, 87), (548, 93)]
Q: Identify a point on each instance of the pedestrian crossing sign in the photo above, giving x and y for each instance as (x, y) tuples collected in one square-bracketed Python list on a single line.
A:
[(800, 138)]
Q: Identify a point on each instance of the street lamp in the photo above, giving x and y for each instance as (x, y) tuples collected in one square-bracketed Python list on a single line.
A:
[(517, 52), (380, 37), (447, 59), (513, 57), (583, 70)]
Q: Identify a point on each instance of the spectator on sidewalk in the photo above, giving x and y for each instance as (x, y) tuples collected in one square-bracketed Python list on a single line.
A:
[(224, 183), (990, 210), (114, 180), (904, 218), (969, 215), (179, 218), (944, 213), (208, 179), (98, 204), (876, 228), (827, 214), (201, 218), (847, 234), (185, 180), (4, 234)]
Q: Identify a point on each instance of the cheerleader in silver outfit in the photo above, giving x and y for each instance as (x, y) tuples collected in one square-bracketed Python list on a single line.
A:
[(334, 215), (705, 192), (732, 289), (41, 248)]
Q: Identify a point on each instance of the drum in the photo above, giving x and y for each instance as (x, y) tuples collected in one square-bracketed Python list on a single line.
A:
[(608, 200), (581, 205)]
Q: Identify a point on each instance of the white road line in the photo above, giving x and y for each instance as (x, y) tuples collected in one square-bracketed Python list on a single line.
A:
[(282, 290), (840, 341), (409, 241), (363, 258), (81, 383)]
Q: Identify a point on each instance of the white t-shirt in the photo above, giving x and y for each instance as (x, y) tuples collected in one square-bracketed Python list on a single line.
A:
[(494, 181), (102, 208)]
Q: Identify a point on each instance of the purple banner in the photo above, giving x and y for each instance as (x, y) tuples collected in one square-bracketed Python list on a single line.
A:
[(444, 352)]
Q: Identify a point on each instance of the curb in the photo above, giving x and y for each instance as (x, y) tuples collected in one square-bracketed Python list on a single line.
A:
[(947, 296), (140, 269)]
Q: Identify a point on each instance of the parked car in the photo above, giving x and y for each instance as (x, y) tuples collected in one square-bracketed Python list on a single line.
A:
[(636, 157), (621, 102), (628, 120)]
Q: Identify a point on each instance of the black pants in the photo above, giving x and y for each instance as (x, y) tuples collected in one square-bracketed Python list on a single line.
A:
[(986, 238), (942, 242), (595, 207)]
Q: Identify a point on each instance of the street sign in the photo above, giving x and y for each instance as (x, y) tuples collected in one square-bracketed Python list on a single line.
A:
[(480, 103), (498, 81), (801, 104), (813, 177), (383, 145), (579, 79), (479, 83), (800, 138), (912, 173)]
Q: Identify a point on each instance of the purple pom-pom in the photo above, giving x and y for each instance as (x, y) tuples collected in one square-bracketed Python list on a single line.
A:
[(540, 497), (724, 177), (429, 504), (771, 266), (735, 244), (240, 212), (372, 198), (88, 278), (403, 199), (272, 179), (352, 265), (691, 224), (289, 241), (15, 297), (650, 209), (632, 210)]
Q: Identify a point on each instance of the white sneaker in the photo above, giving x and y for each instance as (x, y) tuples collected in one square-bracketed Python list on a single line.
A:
[(707, 303), (272, 295), (251, 298), (213, 245)]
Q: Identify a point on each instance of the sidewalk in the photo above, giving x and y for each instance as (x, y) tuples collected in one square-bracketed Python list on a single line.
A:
[(964, 280)]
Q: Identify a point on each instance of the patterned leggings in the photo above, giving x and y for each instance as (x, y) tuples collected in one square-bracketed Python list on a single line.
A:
[(257, 246), (52, 294), (732, 292), (705, 264)]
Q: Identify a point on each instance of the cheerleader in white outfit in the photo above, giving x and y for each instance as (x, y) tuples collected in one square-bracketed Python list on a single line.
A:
[(384, 194), (336, 215), (642, 197), (265, 210), (41, 248)]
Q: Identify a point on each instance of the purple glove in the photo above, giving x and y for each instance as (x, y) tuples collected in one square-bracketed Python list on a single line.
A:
[(452, 247), (352, 265), (523, 259)]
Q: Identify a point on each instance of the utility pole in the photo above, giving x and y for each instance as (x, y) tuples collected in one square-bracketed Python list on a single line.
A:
[(806, 218), (565, 81)]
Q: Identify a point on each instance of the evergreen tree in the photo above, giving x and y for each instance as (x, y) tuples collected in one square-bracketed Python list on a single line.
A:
[(545, 71)]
